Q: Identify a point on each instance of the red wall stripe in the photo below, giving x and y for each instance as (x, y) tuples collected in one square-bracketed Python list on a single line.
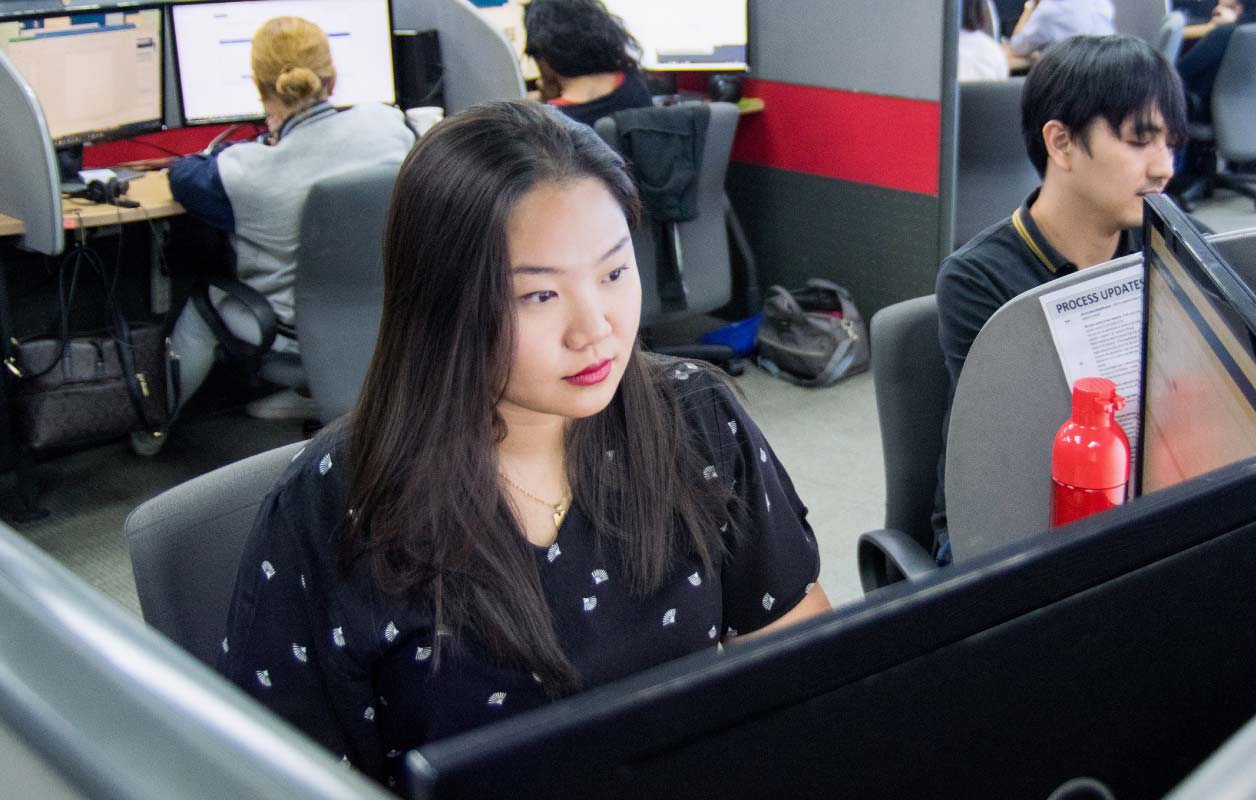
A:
[(890, 142), (176, 141)]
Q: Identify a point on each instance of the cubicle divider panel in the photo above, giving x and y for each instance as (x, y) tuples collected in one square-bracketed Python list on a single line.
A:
[(839, 176)]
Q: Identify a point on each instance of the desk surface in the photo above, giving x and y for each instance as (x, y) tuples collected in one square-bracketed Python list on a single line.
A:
[(151, 191)]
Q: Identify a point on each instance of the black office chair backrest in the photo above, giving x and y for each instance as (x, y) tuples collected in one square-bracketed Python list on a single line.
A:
[(911, 382), (111, 709), (1234, 98), (340, 283), (993, 174), (186, 544), (706, 269)]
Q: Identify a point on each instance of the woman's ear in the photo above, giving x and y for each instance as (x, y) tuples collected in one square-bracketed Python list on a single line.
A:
[(1060, 144)]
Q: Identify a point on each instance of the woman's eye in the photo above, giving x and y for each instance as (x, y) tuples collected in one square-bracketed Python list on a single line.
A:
[(539, 297), (615, 274)]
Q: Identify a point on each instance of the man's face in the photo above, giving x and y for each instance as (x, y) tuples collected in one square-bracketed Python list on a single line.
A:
[(1110, 171)]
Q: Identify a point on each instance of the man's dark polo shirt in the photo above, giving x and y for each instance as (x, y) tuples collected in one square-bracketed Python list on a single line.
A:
[(996, 265)]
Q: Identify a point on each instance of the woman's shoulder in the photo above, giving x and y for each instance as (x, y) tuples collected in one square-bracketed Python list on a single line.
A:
[(316, 481), (700, 388)]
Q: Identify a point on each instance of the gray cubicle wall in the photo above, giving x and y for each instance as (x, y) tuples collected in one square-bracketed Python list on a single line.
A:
[(841, 175)]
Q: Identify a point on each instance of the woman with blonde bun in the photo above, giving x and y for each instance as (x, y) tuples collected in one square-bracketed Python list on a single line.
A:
[(255, 190)]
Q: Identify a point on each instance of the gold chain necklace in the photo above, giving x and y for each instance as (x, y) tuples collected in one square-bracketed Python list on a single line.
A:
[(559, 509)]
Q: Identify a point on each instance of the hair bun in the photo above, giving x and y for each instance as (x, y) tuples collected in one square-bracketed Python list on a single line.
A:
[(296, 84)]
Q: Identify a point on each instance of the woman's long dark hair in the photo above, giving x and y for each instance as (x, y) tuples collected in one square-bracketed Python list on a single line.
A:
[(429, 509), (578, 37)]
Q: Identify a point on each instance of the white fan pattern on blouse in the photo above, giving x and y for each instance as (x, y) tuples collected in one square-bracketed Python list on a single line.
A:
[(224, 645), (695, 579), (732, 426), (554, 552), (263, 677), (711, 634), (600, 576), (669, 618), (768, 601), (423, 654), (763, 456), (708, 472), (298, 652), (338, 637), (590, 603), (268, 569), (390, 632), (496, 698), (324, 466), (369, 714)]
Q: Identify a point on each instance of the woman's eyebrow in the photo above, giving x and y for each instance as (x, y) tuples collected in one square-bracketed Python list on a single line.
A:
[(534, 269)]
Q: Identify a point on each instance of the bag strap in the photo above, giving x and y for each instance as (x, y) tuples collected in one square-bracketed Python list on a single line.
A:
[(843, 355)]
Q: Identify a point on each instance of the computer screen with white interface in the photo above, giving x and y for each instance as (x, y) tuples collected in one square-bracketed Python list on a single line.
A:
[(97, 74), (1199, 370), (213, 42), (686, 35)]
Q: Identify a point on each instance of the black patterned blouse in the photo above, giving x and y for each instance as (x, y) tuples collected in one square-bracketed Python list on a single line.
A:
[(350, 665)]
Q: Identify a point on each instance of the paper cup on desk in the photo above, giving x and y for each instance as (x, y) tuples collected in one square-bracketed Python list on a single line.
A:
[(424, 117)]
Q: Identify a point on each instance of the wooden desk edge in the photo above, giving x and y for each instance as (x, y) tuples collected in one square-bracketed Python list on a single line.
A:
[(151, 191)]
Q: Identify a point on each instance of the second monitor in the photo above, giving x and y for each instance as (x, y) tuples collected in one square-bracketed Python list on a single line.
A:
[(213, 41)]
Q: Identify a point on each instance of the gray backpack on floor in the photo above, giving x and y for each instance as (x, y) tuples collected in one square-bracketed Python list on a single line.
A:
[(813, 336)]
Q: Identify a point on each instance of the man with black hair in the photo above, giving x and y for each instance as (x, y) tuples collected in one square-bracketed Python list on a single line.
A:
[(1100, 116)]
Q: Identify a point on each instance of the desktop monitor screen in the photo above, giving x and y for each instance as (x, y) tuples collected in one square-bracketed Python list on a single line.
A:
[(689, 35), (1199, 362), (213, 40), (97, 74)]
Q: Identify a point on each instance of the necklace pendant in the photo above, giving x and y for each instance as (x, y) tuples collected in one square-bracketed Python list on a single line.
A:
[(559, 513)]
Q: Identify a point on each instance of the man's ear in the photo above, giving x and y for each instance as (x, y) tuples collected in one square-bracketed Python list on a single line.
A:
[(1060, 143)]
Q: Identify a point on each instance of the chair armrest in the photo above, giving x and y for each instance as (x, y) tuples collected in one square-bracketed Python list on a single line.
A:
[(251, 299), (887, 556)]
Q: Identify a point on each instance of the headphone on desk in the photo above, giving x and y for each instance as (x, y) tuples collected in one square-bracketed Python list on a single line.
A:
[(107, 193)]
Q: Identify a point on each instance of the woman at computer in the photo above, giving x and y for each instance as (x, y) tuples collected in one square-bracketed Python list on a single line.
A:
[(254, 190), (524, 503), (585, 57)]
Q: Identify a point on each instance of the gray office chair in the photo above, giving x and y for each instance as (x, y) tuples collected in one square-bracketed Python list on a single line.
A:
[(340, 283), (1140, 18), (93, 703), (339, 293), (911, 383), (701, 245), (1169, 39), (186, 544), (993, 174), (1231, 136), (30, 187), (992, 20)]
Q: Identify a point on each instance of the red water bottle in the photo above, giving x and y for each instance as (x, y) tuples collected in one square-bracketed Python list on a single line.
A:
[(1090, 457)]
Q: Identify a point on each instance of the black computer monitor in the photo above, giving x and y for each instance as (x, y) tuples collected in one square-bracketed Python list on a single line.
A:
[(213, 40), (1199, 358), (97, 74), (684, 35), (1120, 649)]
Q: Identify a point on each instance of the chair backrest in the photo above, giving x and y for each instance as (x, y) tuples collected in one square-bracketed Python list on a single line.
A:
[(340, 283), (992, 20), (993, 174), (30, 188), (186, 545), (1140, 18), (1234, 98), (1169, 38), (97, 704), (1011, 398), (706, 269), (479, 63), (910, 379)]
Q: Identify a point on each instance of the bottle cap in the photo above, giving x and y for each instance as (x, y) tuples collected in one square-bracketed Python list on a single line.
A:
[(1095, 401)]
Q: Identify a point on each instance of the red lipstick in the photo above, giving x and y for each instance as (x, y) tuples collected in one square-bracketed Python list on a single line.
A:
[(590, 375)]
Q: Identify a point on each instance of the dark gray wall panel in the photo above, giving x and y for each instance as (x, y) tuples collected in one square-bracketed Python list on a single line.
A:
[(859, 45), (880, 243)]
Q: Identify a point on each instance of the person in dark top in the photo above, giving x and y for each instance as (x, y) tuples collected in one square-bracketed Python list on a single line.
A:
[(524, 503), (585, 57), (1199, 66), (1100, 116)]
